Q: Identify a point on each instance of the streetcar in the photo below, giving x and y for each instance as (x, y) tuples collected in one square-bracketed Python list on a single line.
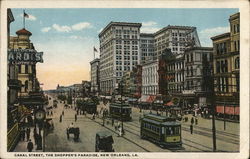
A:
[(120, 111), (162, 130)]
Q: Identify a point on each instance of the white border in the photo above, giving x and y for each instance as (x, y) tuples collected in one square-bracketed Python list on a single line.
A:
[(243, 5)]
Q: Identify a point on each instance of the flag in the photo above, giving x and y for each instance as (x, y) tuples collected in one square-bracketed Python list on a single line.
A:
[(25, 15), (95, 50)]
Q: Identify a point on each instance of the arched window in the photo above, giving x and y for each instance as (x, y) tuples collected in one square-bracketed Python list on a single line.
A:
[(237, 63)]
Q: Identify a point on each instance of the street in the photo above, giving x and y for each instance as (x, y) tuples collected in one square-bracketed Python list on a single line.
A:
[(200, 140)]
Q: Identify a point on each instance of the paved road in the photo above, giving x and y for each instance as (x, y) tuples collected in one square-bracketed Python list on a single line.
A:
[(199, 141)]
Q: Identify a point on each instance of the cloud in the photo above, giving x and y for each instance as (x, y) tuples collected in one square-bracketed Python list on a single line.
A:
[(45, 29), (206, 34), (149, 23), (149, 27), (63, 28), (67, 29), (81, 26), (31, 17)]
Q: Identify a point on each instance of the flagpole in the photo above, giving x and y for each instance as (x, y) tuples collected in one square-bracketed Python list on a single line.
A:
[(23, 19)]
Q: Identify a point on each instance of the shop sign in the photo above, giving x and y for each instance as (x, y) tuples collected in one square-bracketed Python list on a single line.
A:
[(24, 56)]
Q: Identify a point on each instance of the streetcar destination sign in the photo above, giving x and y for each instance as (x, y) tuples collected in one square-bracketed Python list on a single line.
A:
[(27, 56)]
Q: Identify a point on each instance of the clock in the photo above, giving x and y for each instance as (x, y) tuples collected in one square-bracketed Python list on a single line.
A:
[(40, 115)]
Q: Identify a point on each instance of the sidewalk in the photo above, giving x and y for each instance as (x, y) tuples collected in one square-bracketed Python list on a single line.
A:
[(22, 145)]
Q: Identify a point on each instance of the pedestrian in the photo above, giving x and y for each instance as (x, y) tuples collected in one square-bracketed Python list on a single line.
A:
[(191, 128), (120, 130), (196, 121), (112, 122), (93, 116), (60, 118), (192, 120), (67, 132), (75, 117), (28, 134), (35, 135), (30, 146)]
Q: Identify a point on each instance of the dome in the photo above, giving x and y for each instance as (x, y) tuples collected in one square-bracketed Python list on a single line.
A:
[(23, 32)]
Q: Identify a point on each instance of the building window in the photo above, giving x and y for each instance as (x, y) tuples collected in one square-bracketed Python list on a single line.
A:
[(237, 83), (19, 68), (218, 67), (26, 68), (237, 63)]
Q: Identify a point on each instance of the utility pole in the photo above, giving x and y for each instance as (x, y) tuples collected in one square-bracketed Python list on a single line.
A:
[(121, 90), (213, 107)]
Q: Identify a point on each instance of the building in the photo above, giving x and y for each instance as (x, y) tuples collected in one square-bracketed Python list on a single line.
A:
[(146, 47), (95, 76), (150, 78), (119, 52), (14, 86), (198, 75), (26, 72), (226, 64), (176, 38), (24, 92)]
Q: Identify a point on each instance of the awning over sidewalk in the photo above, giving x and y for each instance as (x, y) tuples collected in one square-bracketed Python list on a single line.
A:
[(143, 98), (169, 104), (230, 110), (151, 99)]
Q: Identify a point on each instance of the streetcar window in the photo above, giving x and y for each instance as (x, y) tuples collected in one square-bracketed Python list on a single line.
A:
[(177, 130), (172, 130), (169, 130)]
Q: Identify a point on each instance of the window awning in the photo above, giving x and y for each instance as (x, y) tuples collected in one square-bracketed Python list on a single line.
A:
[(169, 104)]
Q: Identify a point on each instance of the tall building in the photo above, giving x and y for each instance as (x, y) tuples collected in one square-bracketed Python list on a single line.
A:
[(226, 64), (119, 52), (146, 47), (198, 75), (95, 76), (176, 38)]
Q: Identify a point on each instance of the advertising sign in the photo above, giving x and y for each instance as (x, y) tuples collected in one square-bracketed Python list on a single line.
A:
[(24, 56)]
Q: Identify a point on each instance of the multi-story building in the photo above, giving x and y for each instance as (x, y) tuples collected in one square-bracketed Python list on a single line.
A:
[(226, 64), (26, 72), (119, 52), (176, 38), (198, 75), (95, 76), (150, 78), (146, 47)]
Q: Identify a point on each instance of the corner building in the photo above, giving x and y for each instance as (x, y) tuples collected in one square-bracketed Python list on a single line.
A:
[(226, 64), (175, 38), (119, 52)]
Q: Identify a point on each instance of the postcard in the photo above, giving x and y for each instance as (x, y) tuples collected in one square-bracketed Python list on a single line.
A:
[(124, 79)]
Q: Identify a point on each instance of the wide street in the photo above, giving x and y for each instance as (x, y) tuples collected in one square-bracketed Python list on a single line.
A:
[(199, 141)]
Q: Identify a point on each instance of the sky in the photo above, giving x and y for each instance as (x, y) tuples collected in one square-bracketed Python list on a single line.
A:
[(67, 36)]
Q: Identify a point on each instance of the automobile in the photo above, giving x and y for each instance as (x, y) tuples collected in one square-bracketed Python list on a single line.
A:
[(104, 142)]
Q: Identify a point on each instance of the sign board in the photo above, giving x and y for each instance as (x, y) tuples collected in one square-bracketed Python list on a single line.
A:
[(24, 56), (188, 92)]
